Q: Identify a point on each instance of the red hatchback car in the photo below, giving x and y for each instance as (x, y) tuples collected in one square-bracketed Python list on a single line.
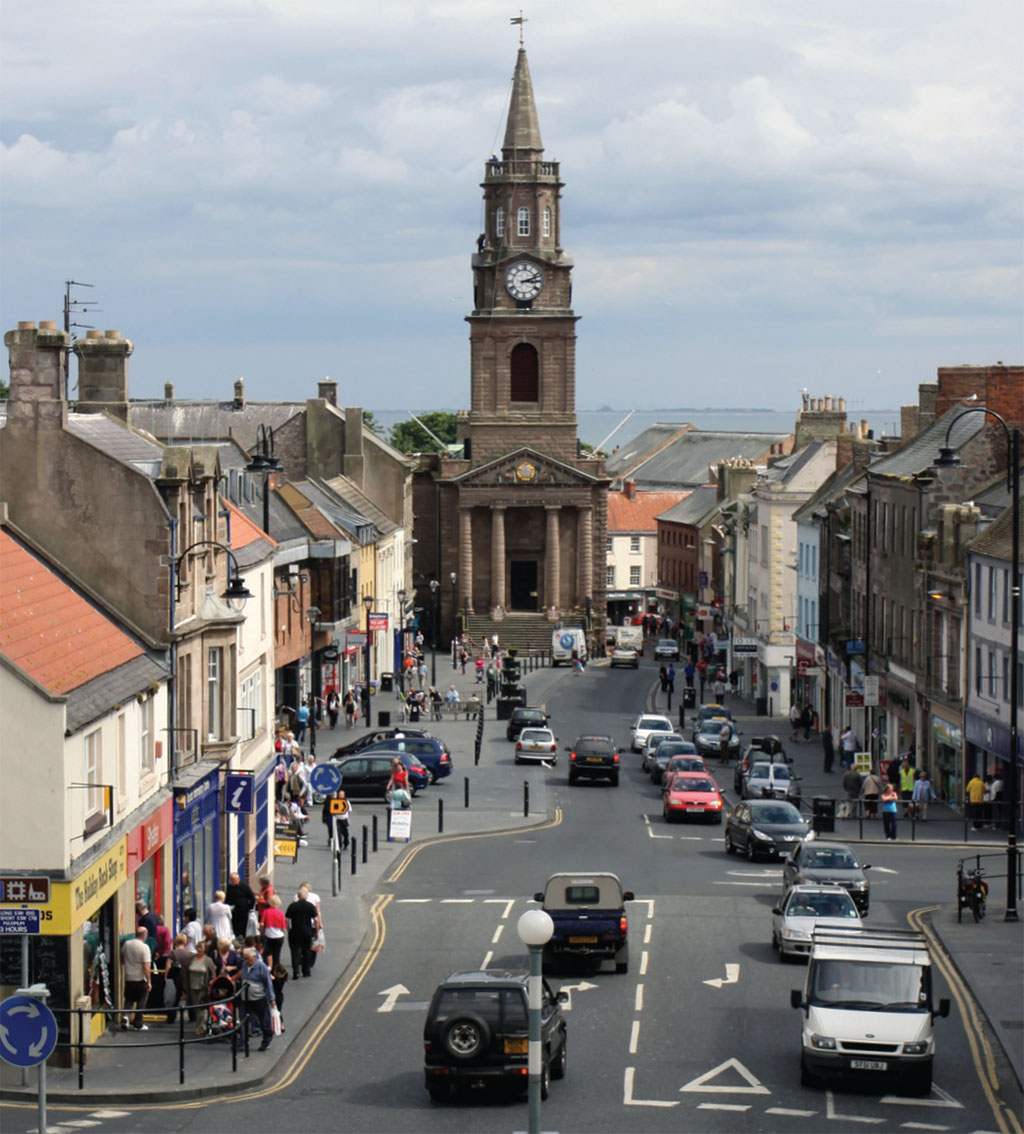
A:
[(692, 795)]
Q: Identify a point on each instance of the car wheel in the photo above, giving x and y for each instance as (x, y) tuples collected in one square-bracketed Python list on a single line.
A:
[(545, 1081), (730, 846), (466, 1037), (665, 815), (572, 779), (622, 960), (518, 761), (750, 850), (440, 1092), (806, 1078), (561, 1064), (432, 776), (615, 781), (920, 1083)]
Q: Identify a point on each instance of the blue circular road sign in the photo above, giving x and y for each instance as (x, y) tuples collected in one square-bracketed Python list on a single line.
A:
[(325, 779), (28, 1031)]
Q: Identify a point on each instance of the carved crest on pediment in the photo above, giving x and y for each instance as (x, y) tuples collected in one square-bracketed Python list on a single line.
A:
[(524, 468)]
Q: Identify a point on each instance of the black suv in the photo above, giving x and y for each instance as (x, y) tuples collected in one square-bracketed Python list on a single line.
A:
[(523, 717), (476, 1033), (593, 757)]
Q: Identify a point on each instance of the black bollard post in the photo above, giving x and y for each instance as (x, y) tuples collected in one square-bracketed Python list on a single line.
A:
[(365, 841), (353, 866), (375, 834), (465, 790), (526, 799), (440, 816)]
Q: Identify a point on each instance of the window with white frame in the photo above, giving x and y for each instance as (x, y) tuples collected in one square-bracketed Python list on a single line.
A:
[(93, 759), (634, 576), (499, 222), (214, 681), (611, 545), (523, 221), (991, 594), (147, 754), (634, 544), (609, 576), (547, 222), (252, 699)]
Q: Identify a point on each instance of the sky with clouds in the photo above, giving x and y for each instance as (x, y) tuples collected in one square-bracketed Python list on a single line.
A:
[(761, 195)]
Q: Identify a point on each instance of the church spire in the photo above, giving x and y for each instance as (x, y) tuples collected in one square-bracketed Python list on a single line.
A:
[(522, 131)]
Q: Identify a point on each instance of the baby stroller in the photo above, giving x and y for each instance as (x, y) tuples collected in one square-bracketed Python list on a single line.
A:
[(221, 995)]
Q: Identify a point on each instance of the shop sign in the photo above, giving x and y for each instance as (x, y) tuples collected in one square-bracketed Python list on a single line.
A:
[(18, 922), (28, 891), (946, 733), (854, 699), (377, 622), (744, 645), (354, 640), (871, 690), (855, 646), (804, 657), (149, 836)]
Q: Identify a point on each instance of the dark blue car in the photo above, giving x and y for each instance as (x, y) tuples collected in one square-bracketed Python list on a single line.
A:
[(432, 753)]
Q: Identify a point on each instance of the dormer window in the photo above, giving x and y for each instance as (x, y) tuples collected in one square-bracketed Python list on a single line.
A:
[(546, 222), (523, 222), (499, 222)]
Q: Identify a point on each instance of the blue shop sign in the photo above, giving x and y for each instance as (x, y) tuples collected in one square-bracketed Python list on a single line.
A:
[(195, 808), (855, 646), (991, 735)]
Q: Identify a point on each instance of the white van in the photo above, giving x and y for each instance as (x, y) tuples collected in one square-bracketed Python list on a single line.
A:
[(567, 641), (632, 637), (868, 1009)]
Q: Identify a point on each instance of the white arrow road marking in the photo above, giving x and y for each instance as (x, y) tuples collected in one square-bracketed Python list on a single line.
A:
[(788, 1112), (391, 995), (110, 1113), (944, 1099), (702, 1083), (79, 1123), (830, 1112), (583, 986), (627, 1093), (236, 799), (921, 1126), (732, 975), (723, 1106)]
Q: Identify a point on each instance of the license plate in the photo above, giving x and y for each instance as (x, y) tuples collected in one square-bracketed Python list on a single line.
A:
[(582, 940), (868, 1064), (595, 759), (695, 809), (515, 1046)]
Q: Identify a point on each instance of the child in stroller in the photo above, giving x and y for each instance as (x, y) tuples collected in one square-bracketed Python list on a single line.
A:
[(221, 994)]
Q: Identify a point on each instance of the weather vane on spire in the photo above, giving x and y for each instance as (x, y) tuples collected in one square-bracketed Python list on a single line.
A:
[(520, 20)]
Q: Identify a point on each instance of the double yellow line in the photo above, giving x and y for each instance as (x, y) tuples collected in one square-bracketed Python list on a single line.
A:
[(981, 1051)]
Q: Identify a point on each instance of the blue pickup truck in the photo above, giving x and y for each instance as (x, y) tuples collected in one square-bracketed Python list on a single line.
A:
[(589, 914)]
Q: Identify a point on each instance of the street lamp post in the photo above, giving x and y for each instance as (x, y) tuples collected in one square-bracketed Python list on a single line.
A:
[(535, 928), (368, 601), (265, 464), (312, 617), (401, 641), (455, 619), (948, 458), (435, 586)]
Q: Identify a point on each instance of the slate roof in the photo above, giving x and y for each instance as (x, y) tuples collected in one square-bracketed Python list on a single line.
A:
[(197, 422), (345, 518), (120, 443), (638, 514), (996, 541), (830, 492), (919, 453), (354, 496), (680, 456), (92, 700), (695, 508)]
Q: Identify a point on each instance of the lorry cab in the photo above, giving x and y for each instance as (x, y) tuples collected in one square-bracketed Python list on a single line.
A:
[(868, 1009)]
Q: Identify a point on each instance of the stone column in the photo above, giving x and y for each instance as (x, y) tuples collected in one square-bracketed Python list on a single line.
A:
[(497, 555), (465, 583), (584, 555), (553, 558)]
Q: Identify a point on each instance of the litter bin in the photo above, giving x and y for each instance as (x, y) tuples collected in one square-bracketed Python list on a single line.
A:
[(384, 718), (762, 706), (387, 682), (689, 699), (823, 820)]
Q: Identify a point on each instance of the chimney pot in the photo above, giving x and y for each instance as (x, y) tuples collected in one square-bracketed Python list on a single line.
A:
[(168, 391), (26, 325), (47, 325), (112, 334), (94, 334)]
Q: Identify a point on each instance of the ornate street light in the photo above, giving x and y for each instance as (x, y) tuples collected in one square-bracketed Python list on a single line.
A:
[(312, 617), (236, 591), (368, 601), (435, 586)]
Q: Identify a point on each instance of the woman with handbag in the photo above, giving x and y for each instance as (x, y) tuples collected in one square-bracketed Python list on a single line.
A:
[(258, 993)]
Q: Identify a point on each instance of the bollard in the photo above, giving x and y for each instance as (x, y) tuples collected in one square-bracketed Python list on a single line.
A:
[(375, 834), (526, 799), (365, 848), (353, 866), (440, 816), (465, 791)]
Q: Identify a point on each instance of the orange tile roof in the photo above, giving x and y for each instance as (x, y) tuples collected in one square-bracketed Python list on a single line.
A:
[(637, 515), (243, 530), (48, 630)]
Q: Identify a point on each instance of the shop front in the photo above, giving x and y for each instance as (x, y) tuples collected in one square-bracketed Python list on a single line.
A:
[(948, 762), (988, 752), (900, 726), (623, 606), (196, 839), (149, 862)]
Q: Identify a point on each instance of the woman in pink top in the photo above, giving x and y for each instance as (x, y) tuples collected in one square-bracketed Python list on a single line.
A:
[(274, 926)]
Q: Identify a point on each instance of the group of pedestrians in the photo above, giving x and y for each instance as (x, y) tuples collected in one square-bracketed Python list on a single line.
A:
[(984, 798), (904, 787)]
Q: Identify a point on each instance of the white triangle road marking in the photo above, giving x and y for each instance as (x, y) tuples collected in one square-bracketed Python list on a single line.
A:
[(944, 1099), (702, 1083)]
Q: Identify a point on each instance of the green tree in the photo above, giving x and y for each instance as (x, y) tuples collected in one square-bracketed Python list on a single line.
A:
[(5, 391), (411, 437), (372, 423)]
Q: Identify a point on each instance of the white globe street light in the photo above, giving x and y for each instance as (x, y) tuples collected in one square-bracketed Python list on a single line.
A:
[(535, 928)]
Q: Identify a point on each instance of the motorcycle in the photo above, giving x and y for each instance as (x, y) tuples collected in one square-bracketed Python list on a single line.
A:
[(972, 891)]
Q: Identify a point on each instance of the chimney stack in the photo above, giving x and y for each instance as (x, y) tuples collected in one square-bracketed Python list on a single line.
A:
[(239, 400), (327, 389), (103, 373), (168, 391), (38, 376)]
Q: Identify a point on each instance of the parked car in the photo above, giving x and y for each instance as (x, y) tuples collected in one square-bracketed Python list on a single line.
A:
[(374, 737), (708, 741), (644, 724), (760, 748), (770, 780), (477, 1029), (767, 827), (431, 751), (366, 775), (664, 753), (593, 757), (711, 709), (667, 649), (625, 656), (691, 795), (825, 863), (537, 744), (805, 908), (682, 762), (653, 743), (525, 717)]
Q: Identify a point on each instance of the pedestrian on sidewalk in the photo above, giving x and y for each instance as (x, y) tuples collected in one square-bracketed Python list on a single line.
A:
[(689, 672), (201, 970), (333, 705), (794, 720), (274, 925), (852, 787), (923, 794), (975, 791), (890, 806), (663, 677), (734, 682), (807, 720), (302, 720), (301, 918), (138, 969), (348, 704), (258, 993), (848, 743), (318, 922), (241, 899), (671, 678), (218, 914), (829, 748), (872, 787)]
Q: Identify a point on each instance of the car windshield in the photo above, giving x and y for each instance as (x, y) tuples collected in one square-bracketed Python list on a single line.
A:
[(713, 727), (770, 771), (667, 642), (686, 764), (655, 724), (687, 784), (821, 905), (539, 735), (870, 986), (774, 813), (831, 858)]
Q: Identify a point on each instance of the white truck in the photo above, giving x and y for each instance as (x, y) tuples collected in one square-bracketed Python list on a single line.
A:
[(632, 637), (867, 1008), (567, 644)]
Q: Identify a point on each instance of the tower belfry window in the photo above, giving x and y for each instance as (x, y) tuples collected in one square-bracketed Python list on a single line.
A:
[(523, 221), (499, 222), (546, 224), (524, 374)]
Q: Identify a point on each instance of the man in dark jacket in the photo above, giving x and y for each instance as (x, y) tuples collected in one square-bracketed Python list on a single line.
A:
[(241, 899), (829, 746)]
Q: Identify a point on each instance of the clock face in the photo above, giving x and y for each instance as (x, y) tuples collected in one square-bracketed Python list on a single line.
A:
[(525, 471), (524, 280)]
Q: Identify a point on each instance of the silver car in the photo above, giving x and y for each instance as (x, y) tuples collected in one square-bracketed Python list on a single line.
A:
[(644, 725), (667, 648), (806, 908), (536, 744), (652, 744), (771, 781)]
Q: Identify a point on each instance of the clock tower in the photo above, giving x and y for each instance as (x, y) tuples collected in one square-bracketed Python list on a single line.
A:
[(513, 530)]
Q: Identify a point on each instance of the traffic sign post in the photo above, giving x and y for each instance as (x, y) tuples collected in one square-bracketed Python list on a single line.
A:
[(325, 779), (28, 1035)]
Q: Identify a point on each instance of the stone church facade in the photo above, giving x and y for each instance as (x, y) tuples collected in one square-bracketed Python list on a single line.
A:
[(515, 529)]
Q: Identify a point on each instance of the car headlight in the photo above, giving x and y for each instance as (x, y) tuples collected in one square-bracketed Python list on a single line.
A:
[(859, 885), (796, 934), (824, 1043), (919, 1048), (761, 835)]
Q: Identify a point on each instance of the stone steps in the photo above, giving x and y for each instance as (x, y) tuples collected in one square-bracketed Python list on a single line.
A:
[(519, 631)]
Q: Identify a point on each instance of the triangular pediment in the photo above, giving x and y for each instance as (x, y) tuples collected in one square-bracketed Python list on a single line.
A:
[(526, 467)]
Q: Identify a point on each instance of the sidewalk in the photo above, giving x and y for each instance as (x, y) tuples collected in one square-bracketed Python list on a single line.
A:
[(127, 1067)]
